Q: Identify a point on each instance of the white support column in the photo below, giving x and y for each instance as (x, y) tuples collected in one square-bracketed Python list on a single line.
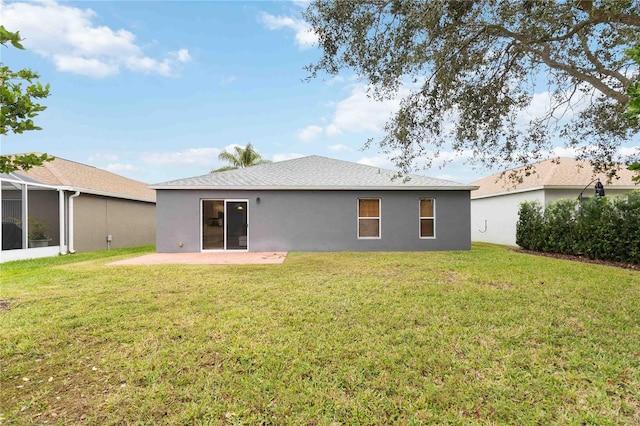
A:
[(25, 216)]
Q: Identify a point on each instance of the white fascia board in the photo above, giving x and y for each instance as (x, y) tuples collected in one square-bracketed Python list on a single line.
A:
[(106, 194), (515, 191), (550, 187), (316, 188)]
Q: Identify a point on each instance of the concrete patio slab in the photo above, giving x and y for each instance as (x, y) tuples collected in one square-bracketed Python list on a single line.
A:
[(206, 258)]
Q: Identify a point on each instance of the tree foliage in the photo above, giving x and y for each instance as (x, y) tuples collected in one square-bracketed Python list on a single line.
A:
[(241, 158), (19, 105), (633, 107), (472, 68)]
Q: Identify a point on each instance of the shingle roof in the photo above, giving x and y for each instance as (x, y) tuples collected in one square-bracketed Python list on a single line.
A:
[(313, 172), (84, 178), (562, 172)]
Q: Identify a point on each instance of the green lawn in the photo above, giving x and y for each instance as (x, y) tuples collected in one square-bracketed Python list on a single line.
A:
[(487, 336)]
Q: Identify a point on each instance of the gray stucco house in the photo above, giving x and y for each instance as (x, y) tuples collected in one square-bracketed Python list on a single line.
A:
[(312, 204)]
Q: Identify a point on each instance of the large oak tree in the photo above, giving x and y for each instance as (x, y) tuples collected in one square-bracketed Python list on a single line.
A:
[(472, 68)]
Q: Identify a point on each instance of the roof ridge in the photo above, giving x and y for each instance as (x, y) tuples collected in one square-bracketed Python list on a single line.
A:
[(311, 172), (87, 178), (49, 165)]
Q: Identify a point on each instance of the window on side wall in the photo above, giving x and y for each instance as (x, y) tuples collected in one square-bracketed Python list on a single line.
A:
[(427, 218), (369, 218)]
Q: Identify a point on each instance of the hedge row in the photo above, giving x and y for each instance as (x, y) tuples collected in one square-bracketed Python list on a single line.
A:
[(598, 228)]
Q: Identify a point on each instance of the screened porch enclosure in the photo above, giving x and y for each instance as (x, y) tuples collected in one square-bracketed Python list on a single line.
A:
[(30, 218)]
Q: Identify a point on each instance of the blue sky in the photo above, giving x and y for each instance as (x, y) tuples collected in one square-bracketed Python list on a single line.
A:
[(156, 90)]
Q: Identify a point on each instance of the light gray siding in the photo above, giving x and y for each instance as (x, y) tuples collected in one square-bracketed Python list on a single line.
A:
[(318, 220), (130, 223)]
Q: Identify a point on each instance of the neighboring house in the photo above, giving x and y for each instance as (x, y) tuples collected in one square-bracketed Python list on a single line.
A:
[(312, 204), (81, 208), (495, 204)]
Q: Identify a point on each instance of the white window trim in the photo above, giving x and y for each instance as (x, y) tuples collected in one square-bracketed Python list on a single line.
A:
[(433, 200), (378, 218)]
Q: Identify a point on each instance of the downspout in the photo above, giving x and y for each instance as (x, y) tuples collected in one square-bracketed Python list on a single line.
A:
[(71, 250), (63, 246)]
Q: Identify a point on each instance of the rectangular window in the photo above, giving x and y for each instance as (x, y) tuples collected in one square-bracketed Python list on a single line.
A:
[(369, 218), (427, 218)]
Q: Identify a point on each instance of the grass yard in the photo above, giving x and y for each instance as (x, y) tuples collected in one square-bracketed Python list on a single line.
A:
[(487, 336)]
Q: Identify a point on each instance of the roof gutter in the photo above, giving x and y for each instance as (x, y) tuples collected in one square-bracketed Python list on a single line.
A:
[(108, 194), (316, 188)]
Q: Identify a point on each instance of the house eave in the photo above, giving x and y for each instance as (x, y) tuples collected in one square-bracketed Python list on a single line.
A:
[(577, 188), (312, 188), (107, 194)]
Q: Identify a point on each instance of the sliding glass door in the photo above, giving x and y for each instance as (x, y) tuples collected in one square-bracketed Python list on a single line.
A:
[(224, 224)]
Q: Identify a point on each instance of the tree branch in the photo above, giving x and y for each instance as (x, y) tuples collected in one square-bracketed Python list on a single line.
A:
[(545, 56), (599, 65), (601, 16)]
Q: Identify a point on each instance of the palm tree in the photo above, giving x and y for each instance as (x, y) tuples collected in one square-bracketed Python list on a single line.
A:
[(243, 157)]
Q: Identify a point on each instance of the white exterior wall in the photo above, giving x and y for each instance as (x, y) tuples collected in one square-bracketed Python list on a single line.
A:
[(494, 219)]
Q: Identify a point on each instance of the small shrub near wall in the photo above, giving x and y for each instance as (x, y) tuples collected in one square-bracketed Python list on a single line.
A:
[(529, 227), (598, 228)]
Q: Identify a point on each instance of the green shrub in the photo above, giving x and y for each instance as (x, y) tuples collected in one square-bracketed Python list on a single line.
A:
[(598, 228), (530, 224), (559, 226)]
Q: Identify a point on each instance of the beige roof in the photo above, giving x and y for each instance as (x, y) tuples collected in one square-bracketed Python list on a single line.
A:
[(557, 173), (84, 178)]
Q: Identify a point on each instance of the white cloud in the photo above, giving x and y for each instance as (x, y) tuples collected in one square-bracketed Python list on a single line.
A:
[(335, 80), (305, 37), (309, 133), (182, 55), (148, 65), (624, 151), (231, 149), (101, 157), (381, 161), (563, 152), (359, 113), (204, 157), (119, 168), (91, 67), (286, 156), (68, 37), (629, 150), (339, 148)]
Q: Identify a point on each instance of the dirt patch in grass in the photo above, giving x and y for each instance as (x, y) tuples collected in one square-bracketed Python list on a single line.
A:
[(583, 259), (4, 305)]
